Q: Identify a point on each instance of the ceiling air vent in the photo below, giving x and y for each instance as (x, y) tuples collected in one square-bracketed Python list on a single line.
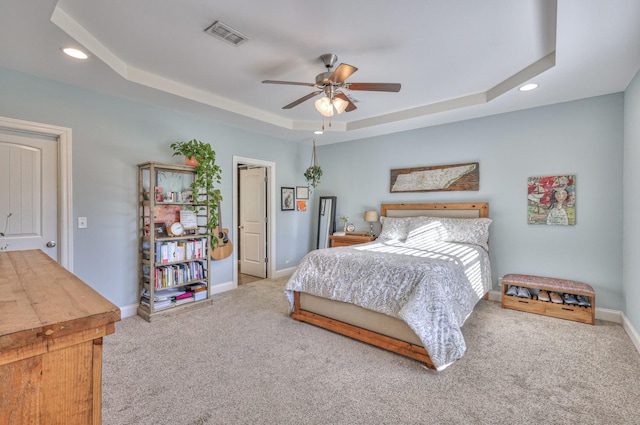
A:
[(226, 33)]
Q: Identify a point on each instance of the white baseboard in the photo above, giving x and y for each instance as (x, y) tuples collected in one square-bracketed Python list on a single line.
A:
[(605, 314), (222, 287), (631, 331), (284, 273), (128, 310)]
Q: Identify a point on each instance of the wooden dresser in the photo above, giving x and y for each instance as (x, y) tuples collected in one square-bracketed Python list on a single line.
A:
[(51, 329), (348, 240)]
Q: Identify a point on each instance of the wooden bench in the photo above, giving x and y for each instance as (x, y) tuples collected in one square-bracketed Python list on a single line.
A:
[(548, 308)]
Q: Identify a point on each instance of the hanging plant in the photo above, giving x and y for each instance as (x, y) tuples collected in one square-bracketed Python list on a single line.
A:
[(207, 173), (314, 172)]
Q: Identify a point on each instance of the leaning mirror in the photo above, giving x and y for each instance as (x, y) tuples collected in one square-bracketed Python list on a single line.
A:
[(326, 220)]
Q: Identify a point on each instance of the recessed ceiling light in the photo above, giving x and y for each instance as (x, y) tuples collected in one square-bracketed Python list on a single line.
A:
[(318, 132), (528, 87), (75, 53)]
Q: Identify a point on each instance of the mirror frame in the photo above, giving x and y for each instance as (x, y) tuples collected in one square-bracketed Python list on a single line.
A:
[(331, 228)]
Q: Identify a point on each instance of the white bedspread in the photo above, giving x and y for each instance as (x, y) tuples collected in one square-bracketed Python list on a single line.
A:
[(432, 288)]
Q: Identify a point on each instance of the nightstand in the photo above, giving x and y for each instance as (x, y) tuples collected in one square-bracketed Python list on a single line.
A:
[(349, 240)]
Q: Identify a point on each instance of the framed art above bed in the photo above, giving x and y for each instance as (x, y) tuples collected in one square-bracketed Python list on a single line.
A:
[(409, 291)]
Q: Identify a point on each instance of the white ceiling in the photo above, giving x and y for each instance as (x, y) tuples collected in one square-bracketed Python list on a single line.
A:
[(455, 59)]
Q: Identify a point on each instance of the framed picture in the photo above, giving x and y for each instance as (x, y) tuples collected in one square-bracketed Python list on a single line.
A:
[(287, 199), (161, 229), (436, 178), (551, 200), (301, 205), (302, 192)]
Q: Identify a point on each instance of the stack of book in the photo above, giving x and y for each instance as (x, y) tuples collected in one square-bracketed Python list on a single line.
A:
[(162, 299), (199, 291), (187, 297)]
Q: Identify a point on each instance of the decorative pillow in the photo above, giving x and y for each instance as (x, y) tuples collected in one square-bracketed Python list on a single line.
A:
[(440, 229), (394, 228)]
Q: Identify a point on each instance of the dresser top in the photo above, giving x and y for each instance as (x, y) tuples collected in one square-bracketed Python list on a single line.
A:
[(40, 299)]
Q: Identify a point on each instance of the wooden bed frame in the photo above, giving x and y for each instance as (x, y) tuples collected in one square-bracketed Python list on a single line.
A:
[(371, 327)]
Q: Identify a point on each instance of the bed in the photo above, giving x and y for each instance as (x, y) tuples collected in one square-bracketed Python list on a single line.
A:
[(411, 290)]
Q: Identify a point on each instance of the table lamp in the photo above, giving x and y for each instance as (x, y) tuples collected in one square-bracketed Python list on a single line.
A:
[(371, 217)]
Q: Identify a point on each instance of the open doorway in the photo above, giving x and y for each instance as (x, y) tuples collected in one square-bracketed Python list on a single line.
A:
[(253, 214)]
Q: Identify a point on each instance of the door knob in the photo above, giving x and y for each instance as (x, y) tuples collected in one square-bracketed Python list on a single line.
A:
[(51, 244)]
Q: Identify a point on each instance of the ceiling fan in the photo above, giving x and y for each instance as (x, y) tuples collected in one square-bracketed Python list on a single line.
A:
[(330, 83)]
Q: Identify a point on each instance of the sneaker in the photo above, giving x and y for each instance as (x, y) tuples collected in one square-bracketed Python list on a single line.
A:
[(583, 301), (555, 298), (524, 292), (543, 296), (512, 290), (569, 299)]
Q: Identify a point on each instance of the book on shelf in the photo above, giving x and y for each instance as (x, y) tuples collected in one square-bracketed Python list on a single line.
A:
[(184, 300)]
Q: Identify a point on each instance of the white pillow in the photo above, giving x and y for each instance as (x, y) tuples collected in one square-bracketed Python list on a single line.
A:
[(440, 229), (394, 228)]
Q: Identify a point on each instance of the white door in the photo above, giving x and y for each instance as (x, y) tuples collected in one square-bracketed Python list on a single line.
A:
[(28, 191), (253, 213)]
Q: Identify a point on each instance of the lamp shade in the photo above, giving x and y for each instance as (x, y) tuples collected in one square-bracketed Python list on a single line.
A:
[(339, 104), (324, 106), (371, 216)]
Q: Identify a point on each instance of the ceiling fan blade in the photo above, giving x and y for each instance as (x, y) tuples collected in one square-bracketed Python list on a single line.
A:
[(291, 83), (391, 87), (351, 106), (302, 99), (342, 72)]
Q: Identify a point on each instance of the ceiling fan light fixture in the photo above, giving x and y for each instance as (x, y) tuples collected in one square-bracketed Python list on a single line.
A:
[(339, 104), (324, 106)]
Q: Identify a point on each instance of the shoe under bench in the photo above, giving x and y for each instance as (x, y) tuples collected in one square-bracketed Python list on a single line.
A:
[(548, 308)]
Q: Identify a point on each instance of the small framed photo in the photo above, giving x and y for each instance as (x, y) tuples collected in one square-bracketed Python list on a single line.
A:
[(287, 199), (301, 205), (302, 192), (161, 229)]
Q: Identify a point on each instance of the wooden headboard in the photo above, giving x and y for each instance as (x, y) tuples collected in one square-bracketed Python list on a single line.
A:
[(454, 210)]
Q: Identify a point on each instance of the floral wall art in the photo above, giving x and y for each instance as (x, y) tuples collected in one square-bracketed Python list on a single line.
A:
[(552, 200)]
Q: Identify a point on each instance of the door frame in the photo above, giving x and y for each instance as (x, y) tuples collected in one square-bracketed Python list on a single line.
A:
[(64, 196), (271, 213)]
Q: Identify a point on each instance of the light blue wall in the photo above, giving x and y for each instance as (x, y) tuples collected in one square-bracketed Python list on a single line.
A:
[(631, 275), (110, 137), (584, 138)]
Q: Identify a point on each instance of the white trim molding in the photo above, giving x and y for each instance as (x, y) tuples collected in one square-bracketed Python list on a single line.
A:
[(65, 191), (271, 213)]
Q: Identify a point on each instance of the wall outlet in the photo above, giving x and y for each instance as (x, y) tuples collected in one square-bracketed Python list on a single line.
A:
[(82, 222)]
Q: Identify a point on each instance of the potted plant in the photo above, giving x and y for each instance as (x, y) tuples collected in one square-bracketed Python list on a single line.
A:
[(207, 174), (344, 219), (312, 175), (314, 172)]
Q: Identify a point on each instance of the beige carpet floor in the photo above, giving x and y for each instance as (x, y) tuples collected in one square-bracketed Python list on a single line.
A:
[(243, 360)]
